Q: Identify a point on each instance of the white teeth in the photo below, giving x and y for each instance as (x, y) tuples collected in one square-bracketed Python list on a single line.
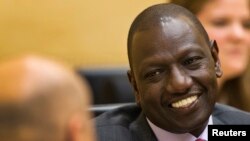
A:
[(184, 102)]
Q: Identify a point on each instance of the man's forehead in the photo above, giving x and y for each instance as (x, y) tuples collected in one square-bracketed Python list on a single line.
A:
[(172, 34), (173, 30), (170, 29), (173, 24), (176, 26)]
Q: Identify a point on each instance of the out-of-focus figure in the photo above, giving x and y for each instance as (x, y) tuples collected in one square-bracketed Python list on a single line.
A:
[(228, 22), (41, 100)]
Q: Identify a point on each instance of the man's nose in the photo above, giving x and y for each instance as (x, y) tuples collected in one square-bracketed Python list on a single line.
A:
[(178, 81)]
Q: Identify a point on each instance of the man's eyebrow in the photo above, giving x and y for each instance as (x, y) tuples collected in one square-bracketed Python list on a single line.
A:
[(193, 49)]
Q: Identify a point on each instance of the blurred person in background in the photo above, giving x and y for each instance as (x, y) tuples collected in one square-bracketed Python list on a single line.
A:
[(228, 22), (41, 100)]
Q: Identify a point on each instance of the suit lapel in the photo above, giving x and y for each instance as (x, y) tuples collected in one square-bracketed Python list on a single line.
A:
[(141, 130)]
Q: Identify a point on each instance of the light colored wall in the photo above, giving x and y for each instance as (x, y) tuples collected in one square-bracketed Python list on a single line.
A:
[(83, 33)]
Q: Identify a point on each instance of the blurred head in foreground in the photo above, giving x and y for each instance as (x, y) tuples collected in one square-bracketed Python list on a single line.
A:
[(41, 100)]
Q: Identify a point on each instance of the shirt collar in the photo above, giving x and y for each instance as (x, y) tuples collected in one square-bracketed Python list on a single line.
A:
[(162, 135)]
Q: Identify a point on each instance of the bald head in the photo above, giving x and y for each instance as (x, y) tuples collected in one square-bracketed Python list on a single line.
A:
[(32, 76), (45, 97), (157, 15)]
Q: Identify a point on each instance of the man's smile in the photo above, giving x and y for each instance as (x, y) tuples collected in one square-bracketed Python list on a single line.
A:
[(184, 102)]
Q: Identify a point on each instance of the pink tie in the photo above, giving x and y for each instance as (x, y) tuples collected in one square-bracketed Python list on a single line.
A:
[(200, 140)]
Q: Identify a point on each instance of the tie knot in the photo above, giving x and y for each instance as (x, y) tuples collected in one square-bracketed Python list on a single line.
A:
[(199, 139)]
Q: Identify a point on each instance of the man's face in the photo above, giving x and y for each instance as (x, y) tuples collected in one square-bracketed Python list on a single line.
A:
[(173, 73)]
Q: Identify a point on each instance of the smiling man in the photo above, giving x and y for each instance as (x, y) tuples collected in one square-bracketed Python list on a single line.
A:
[(174, 67)]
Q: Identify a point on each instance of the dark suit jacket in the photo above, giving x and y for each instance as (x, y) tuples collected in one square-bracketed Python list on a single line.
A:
[(128, 123)]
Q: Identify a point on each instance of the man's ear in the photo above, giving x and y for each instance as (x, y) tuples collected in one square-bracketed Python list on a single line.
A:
[(74, 128), (80, 128), (215, 53), (134, 85)]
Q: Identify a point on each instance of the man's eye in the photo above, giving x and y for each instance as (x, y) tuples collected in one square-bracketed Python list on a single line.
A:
[(153, 74), (191, 60)]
